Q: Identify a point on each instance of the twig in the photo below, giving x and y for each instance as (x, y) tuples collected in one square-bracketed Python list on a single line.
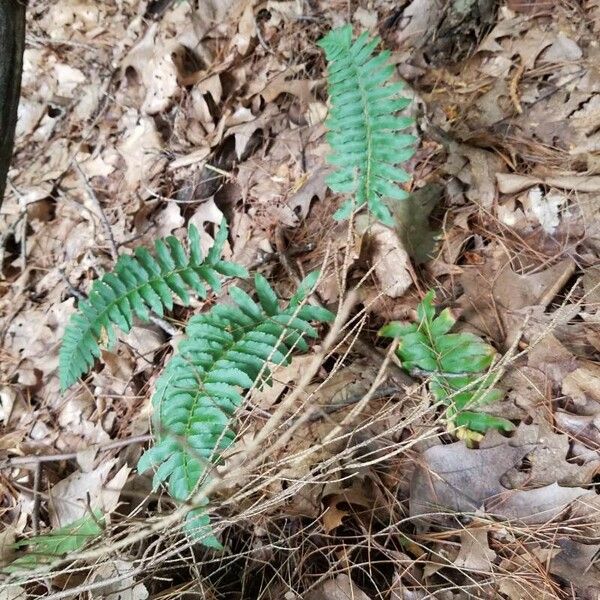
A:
[(35, 513), (382, 392), (108, 234), (73, 291), (38, 459)]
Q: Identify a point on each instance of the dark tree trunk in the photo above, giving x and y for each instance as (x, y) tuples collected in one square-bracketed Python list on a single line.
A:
[(12, 43)]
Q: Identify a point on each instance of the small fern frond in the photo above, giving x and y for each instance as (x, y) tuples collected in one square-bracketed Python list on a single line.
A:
[(363, 124), (227, 351), (44, 549), (139, 284)]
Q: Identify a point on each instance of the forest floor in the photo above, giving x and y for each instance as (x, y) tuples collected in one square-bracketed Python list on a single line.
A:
[(140, 117)]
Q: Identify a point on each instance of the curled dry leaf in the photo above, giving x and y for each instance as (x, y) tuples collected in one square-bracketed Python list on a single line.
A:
[(387, 256)]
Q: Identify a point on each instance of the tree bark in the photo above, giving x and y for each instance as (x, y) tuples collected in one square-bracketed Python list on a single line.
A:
[(12, 44)]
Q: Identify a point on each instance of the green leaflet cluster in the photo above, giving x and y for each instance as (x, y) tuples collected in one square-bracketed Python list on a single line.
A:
[(46, 548), (363, 124), (227, 351), (139, 284), (454, 364)]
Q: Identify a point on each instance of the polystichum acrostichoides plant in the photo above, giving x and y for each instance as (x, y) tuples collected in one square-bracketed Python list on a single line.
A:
[(228, 350), (455, 366), (364, 124)]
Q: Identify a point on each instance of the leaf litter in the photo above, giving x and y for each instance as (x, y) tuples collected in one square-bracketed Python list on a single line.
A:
[(147, 116)]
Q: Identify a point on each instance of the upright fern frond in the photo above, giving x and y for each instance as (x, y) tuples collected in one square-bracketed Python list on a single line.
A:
[(138, 284), (226, 351), (363, 124)]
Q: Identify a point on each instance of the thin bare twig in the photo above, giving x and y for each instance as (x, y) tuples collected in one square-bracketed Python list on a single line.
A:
[(21, 461), (108, 234)]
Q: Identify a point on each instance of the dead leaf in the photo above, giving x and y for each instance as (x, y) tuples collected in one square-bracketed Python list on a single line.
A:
[(455, 478), (388, 257), (412, 222), (493, 292), (283, 83), (315, 187), (333, 517), (585, 428), (71, 498), (125, 588), (340, 588), (475, 553), (510, 183), (534, 506), (547, 463), (577, 563), (141, 149), (583, 383)]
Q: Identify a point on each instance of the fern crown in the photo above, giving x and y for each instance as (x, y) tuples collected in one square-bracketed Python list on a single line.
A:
[(139, 284), (226, 351), (363, 124)]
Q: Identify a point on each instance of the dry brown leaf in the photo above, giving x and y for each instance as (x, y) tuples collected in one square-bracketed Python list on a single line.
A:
[(583, 383), (475, 553), (547, 463), (493, 292), (390, 261), (455, 478), (72, 498), (534, 506), (141, 149), (585, 428), (511, 183), (577, 563), (284, 84), (340, 588), (333, 517), (477, 169), (125, 588)]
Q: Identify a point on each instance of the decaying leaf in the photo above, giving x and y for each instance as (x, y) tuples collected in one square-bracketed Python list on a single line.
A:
[(412, 222), (459, 479), (388, 257), (340, 588), (475, 553)]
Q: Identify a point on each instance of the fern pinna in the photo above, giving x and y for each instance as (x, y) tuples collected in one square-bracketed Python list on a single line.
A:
[(138, 284), (226, 351), (363, 124)]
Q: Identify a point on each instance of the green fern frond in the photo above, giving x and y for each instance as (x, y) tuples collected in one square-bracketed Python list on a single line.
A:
[(46, 548), (363, 124), (227, 351), (139, 284)]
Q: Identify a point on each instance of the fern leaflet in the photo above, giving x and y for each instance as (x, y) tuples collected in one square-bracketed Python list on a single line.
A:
[(363, 124), (226, 352), (138, 284)]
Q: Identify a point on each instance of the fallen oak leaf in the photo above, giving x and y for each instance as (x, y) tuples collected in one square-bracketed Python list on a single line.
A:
[(541, 505), (454, 478)]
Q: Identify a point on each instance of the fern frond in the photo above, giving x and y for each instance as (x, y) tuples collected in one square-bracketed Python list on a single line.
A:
[(227, 351), (363, 124), (139, 284), (43, 549)]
